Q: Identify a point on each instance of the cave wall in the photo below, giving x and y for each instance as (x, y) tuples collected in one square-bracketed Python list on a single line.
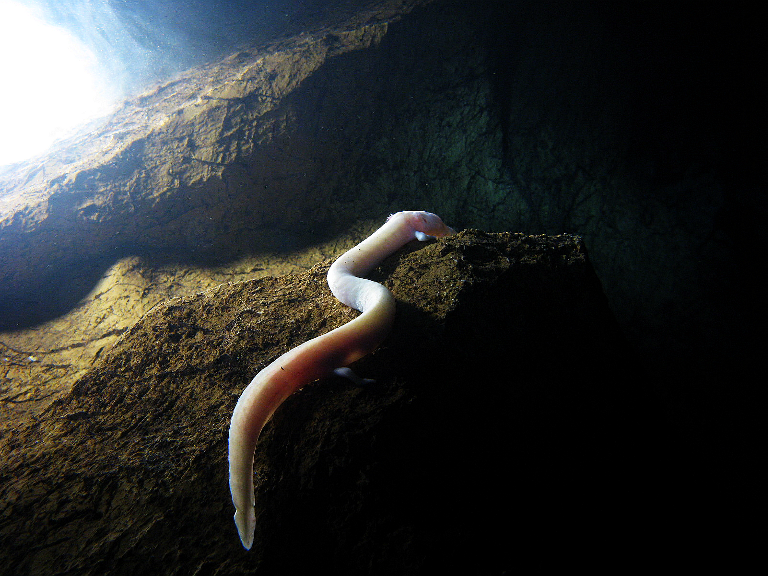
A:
[(542, 117)]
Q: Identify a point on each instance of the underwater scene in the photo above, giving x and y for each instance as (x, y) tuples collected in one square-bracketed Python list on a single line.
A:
[(404, 286)]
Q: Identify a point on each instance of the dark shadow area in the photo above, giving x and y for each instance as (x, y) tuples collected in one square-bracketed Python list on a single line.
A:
[(62, 286), (56, 292)]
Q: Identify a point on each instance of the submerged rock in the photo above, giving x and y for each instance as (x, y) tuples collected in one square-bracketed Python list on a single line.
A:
[(506, 411), (208, 164)]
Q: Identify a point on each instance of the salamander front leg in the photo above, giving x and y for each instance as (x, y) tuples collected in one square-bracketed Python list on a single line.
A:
[(347, 373)]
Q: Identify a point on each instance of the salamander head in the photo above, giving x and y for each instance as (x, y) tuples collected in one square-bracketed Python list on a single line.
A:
[(425, 224)]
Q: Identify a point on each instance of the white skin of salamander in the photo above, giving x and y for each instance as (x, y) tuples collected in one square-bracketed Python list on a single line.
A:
[(321, 356)]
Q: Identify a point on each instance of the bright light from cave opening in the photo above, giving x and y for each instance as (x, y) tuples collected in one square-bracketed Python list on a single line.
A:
[(49, 83)]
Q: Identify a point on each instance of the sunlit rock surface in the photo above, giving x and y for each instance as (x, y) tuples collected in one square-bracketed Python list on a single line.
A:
[(505, 397)]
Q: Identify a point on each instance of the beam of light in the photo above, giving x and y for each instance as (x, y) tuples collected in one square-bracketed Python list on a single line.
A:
[(49, 83)]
